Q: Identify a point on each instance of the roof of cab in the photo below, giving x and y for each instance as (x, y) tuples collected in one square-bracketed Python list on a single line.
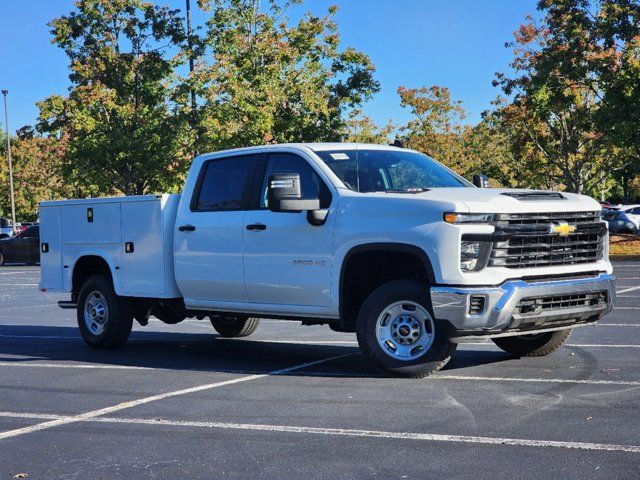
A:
[(317, 147)]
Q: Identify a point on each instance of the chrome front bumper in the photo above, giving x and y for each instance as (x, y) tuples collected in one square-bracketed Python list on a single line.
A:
[(500, 314)]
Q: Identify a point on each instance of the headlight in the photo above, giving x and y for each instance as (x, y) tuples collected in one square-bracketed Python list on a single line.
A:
[(473, 255), (456, 218)]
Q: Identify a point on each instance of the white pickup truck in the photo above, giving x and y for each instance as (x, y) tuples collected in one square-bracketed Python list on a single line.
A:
[(378, 240)]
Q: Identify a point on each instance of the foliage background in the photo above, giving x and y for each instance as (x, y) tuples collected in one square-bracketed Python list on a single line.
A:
[(566, 116)]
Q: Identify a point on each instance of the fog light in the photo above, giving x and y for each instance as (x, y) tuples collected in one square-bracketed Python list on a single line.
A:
[(469, 256), (473, 255)]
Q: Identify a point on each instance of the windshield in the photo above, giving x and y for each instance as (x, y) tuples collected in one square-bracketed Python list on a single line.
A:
[(389, 171)]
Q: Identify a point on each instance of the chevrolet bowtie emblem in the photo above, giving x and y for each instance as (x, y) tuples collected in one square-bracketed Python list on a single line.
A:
[(562, 228)]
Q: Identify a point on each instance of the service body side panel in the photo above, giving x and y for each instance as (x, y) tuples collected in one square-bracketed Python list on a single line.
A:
[(51, 261), (102, 227)]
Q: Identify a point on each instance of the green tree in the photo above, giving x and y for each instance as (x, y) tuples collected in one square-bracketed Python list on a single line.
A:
[(360, 128), (264, 79), (37, 174), (618, 71), (556, 97), (437, 126), (123, 133)]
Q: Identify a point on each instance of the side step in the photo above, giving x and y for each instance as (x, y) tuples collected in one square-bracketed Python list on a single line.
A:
[(67, 304)]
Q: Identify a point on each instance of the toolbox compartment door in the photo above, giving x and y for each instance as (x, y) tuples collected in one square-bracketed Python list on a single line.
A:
[(51, 241), (142, 267)]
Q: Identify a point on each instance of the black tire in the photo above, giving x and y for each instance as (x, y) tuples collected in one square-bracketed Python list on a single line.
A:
[(230, 327), (431, 360), (537, 345), (1, 258), (117, 321)]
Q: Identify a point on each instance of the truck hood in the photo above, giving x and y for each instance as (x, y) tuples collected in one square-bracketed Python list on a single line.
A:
[(503, 200)]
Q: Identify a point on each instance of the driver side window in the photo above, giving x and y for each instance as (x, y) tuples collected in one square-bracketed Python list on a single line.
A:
[(311, 185)]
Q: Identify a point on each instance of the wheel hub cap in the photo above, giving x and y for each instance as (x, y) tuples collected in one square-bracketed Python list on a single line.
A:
[(405, 330), (96, 313)]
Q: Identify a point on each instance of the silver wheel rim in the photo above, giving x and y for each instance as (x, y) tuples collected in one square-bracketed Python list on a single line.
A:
[(96, 313), (405, 330)]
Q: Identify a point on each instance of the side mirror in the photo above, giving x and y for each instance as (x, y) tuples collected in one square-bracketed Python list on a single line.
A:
[(481, 181), (284, 194)]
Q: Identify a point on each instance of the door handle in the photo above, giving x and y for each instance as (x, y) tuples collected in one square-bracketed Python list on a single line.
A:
[(257, 226), (186, 228)]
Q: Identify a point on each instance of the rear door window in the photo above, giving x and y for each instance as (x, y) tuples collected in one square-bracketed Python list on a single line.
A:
[(224, 184)]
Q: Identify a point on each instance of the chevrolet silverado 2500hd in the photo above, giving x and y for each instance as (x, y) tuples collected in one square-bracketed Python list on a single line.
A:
[(378, 240)]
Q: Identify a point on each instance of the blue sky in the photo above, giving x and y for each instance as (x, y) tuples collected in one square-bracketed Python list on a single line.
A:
[(453, 43)]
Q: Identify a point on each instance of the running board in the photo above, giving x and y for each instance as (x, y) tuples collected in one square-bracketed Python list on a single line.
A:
[(67, 304)]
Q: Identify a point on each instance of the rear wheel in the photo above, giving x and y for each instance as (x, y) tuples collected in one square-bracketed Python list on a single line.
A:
[(398, 334), (1, 258), (536, 345), (104, 318), (230, 327)]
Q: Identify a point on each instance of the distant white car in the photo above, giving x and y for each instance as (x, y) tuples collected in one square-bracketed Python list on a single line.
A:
[(632, 212)]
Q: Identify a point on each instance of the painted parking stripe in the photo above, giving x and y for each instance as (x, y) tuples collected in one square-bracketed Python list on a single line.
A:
[(630, 289), (328, 373), (343, 432), (618, 325), (142, 401), (630, 383), (289, 342)]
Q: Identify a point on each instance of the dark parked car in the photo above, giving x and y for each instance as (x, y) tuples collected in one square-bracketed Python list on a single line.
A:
[(23, 248)]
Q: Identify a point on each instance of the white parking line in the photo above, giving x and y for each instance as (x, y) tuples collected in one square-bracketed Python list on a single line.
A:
[(438, 376), (631, 383), (343, 432), (625, 290), (18, 284), (618, 325), (294, 342), (141, 401), (80, 366), (580, 345)]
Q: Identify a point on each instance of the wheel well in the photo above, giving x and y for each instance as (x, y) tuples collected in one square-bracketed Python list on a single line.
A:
[(365, 269), (86, 267)]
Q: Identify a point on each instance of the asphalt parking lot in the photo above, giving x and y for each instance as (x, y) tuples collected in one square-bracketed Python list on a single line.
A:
[(298, 402)]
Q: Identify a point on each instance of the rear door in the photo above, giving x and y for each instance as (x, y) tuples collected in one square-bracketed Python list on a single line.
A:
[(26, 245), (287, 261), (208, 237)]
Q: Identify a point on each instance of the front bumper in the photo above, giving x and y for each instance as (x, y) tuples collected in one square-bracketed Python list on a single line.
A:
[(507, 307)]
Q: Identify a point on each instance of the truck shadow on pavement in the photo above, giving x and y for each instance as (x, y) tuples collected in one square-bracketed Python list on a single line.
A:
[(200, 353)]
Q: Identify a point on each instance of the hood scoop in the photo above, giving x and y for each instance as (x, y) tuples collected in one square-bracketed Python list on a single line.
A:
[(535, 196)]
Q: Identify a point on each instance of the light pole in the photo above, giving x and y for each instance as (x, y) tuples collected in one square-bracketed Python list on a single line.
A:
[(6, 121)]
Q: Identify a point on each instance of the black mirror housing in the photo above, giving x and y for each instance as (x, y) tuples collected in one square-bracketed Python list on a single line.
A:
[(285, 195), (481, 181)]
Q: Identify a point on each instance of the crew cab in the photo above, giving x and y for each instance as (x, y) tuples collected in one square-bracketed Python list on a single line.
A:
[(378, 240)]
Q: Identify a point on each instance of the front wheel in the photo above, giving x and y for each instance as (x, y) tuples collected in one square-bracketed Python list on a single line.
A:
[(231, 327), (1, 258), (104, 318), (398, 334), (535, 345)]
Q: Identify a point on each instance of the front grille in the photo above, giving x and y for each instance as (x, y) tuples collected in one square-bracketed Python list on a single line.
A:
[(523, 240), (531, 306)]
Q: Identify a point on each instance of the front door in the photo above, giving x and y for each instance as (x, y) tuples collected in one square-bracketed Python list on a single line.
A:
[(287, 261), (208, 236)]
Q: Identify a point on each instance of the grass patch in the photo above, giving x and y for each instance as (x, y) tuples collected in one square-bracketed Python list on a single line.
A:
[(624, 245)]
